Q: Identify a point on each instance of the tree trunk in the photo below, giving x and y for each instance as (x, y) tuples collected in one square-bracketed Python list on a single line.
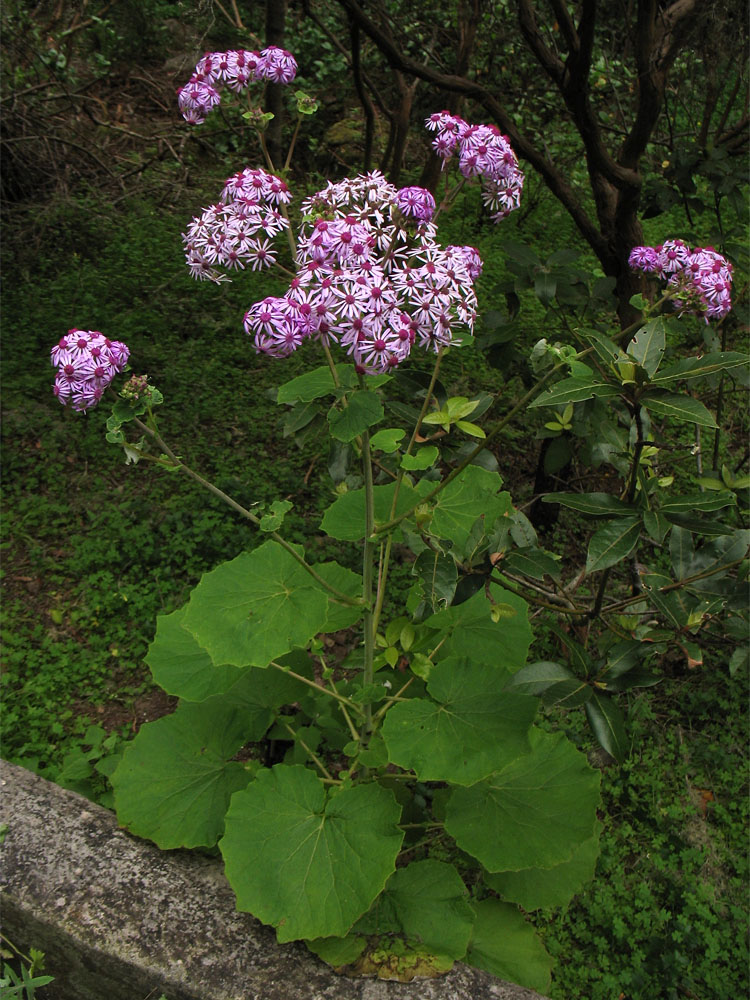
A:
[(274, 97)]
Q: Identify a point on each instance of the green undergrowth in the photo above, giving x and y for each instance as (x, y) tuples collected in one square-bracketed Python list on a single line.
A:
[(666, 914)]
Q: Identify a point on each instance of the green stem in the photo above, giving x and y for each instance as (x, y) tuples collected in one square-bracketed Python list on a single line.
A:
[(313, 756), (291, 144), (180, 465), (391, 701), (368, 560), (340, 698), (386, 555), (394, 521)]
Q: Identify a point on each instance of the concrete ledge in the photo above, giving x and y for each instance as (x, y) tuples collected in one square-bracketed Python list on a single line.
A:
[(118, 919)]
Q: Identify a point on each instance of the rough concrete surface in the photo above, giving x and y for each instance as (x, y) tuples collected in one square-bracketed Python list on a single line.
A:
[(118, 919)]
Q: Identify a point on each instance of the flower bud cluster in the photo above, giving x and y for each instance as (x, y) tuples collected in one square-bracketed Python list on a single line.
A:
[(86, 363), (370, 277), (237, 232), (236, 70), (701, 278), (136, 388), (483, 151)]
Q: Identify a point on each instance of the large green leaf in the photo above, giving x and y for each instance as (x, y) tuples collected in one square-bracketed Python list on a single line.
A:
[(345, 518), (574, 390), (425, 902), (256, 608), (307, 862), (679, 405), (348, 582), (363, 410), (472, 728), (175, 779), (471, 495), (504, 944), (182, 667), (612, 543), (532, 814), (647, 346), (314, 384), (470, 626), (688, 368), (534, 888)]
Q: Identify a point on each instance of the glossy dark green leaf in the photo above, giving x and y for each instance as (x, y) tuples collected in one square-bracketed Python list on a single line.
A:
[(574, 390), (698, 367), (681, 551), (438, 575), (535, 678), (593, 504), (698, 501), (567, 693), (612, 543), (608, 725), (531, 562), (678, 405), (647, 346)]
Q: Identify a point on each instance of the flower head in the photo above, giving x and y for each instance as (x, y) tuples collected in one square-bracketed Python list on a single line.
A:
[(416, 203), (236, 69), (368, 282), (700, 280), (86, 363), (483, 152)]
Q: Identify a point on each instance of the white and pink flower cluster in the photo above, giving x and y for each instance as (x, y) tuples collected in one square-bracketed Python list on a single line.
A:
[(236, 70), (366, 281), (701, 278), (86, 363), (483, 151), (238, 231)]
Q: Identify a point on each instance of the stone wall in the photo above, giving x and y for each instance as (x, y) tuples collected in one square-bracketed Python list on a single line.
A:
[(118, 919)]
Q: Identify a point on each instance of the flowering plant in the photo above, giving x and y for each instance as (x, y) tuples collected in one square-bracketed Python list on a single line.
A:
[(417, 811)]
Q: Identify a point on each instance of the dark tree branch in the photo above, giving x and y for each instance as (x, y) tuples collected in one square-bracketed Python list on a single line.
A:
[(524, 147)]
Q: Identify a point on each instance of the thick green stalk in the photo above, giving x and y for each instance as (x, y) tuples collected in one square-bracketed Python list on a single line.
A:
[(180, 465), (368, 563)]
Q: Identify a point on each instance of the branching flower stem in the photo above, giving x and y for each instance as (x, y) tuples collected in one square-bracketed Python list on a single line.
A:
[(368, 562), (386, 554), (346, 703), (313, 756), (180, 465)]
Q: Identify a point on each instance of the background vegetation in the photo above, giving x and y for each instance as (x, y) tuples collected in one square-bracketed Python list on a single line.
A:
[(100, 178)]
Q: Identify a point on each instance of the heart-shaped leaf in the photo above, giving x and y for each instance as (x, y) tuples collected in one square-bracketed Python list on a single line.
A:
[(307, 862)]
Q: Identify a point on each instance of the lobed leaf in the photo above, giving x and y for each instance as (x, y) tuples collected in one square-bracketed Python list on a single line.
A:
[(305, 861)]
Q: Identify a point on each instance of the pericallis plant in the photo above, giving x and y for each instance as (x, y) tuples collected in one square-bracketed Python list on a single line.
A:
[(416, 812)]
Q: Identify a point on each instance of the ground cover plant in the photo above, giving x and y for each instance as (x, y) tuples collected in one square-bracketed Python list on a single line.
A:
[(578, 657)]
